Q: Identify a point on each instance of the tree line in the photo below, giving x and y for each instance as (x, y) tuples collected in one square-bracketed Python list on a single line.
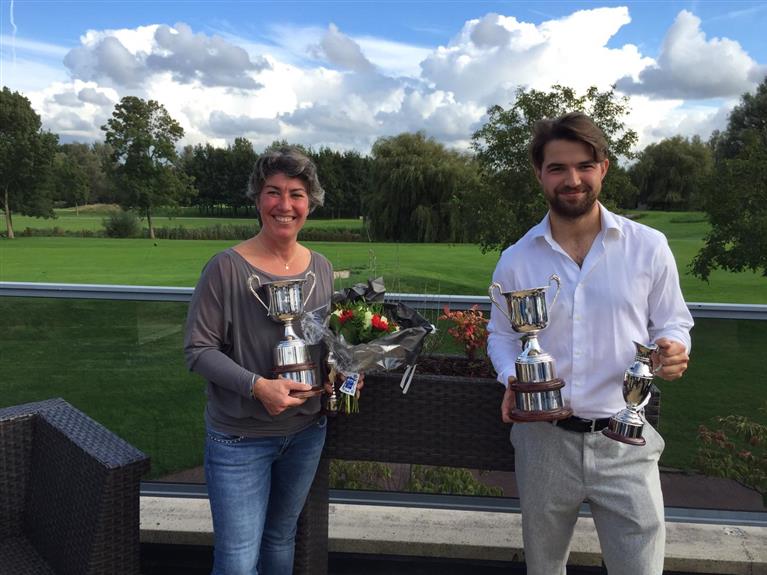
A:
[(410, 187)]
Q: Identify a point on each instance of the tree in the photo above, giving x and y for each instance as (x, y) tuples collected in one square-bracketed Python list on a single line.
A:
[(26, 157), (76, 161), (670, 174), (70, 178), (736, 200), (143, 137), (417, 191), (512, 202), (221, 175)]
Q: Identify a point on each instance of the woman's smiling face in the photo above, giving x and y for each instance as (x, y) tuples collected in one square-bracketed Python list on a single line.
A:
[(283, 205)]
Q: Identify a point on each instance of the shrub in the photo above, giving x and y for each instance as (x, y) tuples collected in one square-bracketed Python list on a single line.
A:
[(448, 480), (121, 224), (469, 329), (358, 474), (736, 450)]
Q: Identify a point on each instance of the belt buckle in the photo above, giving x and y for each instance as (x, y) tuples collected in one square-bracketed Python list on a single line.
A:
[(592, 425)]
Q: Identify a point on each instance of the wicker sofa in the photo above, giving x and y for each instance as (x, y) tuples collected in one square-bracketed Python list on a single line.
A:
[(449, 421), (69, 493)]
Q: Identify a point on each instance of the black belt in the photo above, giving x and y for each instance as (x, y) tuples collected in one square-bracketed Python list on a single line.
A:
[(580, 425)]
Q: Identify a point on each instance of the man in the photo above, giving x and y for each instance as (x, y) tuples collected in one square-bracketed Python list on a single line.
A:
[(619, 284)]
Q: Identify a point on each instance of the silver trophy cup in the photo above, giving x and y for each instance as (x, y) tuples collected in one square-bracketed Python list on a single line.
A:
[(286, 304), (537, 389), (626, 425)]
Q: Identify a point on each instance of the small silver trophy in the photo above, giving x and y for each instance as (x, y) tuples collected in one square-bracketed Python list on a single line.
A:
[(626, 425), (537, 389), (291, 355)]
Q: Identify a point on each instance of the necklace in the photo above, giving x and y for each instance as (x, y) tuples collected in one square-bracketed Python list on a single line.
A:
[(285, 262)]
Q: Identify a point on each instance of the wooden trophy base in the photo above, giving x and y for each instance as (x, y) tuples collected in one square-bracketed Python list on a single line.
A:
[(623, 439), (525, 416), (548, 415), (308, 393), (295, 368)]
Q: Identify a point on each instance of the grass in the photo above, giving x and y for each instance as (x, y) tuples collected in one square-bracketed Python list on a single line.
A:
[(121, 361), (91, 220), (418, 268)]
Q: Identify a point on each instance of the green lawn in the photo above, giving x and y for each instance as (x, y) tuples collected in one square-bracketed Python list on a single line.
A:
[(68, 220), (121, 361)]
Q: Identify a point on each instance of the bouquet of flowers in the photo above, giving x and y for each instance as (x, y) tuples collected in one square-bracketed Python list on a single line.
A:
[(364, 333)]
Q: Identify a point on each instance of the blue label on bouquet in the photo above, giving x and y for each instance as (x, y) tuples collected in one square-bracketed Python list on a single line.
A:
[(350, 384)]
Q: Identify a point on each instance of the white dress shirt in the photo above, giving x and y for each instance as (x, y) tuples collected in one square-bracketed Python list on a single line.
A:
[(627, 290)]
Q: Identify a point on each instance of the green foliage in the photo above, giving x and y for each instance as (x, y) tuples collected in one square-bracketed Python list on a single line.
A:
[(736, 201), (143, 137), (71, 181), (122, 224), (345, 177), (80, 174), (420, 189), (358, 474), (671, 174), (736, 449), (220, 176), (26, 160), (504, 210), (447, 480)]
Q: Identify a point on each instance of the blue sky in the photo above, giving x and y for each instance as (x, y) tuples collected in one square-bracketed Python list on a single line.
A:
[(344, 73)]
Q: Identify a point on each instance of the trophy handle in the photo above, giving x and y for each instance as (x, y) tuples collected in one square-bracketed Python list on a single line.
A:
[(492, 298), (314, 283), (555, 279), (251, 279)]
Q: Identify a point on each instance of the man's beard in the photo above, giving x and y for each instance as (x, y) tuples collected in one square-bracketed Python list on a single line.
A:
[(570, 210)]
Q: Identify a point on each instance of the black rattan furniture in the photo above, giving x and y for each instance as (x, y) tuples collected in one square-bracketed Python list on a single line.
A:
[(449, 421), (69, 493)]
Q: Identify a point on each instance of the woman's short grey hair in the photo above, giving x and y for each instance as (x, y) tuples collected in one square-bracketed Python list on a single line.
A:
[(293, 163)]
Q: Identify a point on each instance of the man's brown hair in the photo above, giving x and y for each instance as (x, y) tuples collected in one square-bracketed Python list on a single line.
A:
[(576, 127)]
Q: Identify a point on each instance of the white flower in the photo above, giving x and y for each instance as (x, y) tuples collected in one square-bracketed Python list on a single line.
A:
[(367, 319)]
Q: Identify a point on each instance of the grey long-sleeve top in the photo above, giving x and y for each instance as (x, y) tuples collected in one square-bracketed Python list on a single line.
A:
[(230, 339)]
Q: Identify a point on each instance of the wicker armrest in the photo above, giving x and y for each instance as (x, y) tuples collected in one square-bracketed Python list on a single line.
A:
[(80, 487)]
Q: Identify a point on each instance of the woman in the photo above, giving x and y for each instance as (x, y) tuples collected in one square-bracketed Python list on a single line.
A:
[(263, 444)]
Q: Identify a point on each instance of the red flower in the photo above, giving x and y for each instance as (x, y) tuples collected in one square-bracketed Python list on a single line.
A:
[(379, 322), (345, 316)]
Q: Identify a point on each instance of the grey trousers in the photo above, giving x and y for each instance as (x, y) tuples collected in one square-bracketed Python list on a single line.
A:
[(557, 470)]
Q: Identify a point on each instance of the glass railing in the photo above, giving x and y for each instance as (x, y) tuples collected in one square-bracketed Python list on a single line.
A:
[(117, 355)]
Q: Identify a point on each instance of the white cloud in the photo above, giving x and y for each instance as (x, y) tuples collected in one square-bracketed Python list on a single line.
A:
[(20, 44), (494, 54), (211, 60), (129, 58), (340, 50), (322, 87), (693, 67)]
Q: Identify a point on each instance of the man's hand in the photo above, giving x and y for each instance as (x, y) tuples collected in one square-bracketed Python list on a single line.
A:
[(274, 394), (671, 359), (509, 402)]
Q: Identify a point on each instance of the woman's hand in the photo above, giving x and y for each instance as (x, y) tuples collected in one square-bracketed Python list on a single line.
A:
[(275, 396)]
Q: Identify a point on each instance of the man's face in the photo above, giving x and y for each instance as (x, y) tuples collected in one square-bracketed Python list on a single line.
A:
[(571, 178)]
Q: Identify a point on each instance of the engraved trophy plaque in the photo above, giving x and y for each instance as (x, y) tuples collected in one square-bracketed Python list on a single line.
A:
[(537, 389), (291, 355), (626, 425)]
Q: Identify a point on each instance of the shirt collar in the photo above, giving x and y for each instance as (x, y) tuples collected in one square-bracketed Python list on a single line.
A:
[(612, 225)]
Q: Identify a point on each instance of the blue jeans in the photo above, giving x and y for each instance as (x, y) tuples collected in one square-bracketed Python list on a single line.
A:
[(257, 488)]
